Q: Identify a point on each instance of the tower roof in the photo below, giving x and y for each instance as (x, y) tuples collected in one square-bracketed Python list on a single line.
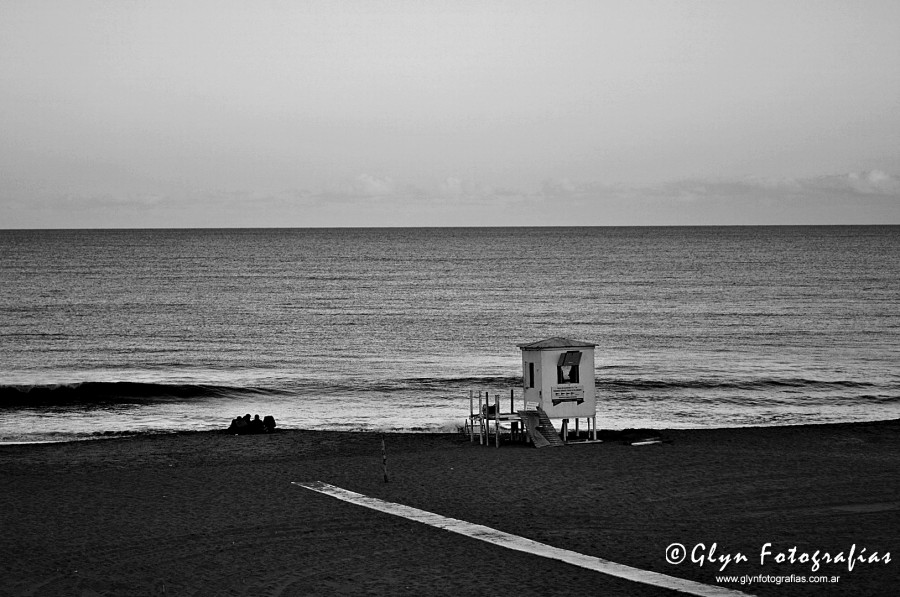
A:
[(556, 342)]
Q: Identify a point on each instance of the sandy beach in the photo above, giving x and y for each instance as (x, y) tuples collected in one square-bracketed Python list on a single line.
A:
[(216, 514)]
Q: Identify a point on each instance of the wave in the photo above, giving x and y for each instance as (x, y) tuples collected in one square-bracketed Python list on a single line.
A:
[(126, 392), (760, 384), (475, 383), (423, 384), (118, 392), (637, 384), (101, 393)]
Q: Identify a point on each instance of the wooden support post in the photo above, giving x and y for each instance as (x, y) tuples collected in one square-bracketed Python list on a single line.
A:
[(471, 419), (512, 400), (487, 411), (576, 427), (497, 419), (487, 419), (595, 426), (480, 421)]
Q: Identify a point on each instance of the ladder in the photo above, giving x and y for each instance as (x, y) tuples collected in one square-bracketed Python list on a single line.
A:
[(540, 428)]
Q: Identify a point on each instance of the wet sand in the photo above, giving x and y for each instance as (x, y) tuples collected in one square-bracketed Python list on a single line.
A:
[(216, 514)]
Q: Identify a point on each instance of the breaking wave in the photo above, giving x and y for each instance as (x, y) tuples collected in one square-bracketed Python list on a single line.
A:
[(120, 392)]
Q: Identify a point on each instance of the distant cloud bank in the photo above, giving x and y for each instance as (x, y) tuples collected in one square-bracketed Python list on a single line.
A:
[(868, 197)]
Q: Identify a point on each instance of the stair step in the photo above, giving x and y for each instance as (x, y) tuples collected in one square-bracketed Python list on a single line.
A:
[(543, 433), (547, 429)]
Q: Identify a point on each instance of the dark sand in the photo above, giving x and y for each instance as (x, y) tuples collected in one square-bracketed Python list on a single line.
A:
[(216, 514)]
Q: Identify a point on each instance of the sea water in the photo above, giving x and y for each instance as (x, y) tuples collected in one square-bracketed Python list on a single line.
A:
[(129, 331)]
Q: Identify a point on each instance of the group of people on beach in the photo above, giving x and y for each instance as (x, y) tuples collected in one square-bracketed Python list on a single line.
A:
[(245, 425)]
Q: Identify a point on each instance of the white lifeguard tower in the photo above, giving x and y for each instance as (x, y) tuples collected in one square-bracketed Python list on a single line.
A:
[(557, 383)]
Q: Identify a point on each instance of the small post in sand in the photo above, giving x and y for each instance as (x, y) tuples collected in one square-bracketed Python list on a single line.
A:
[(384, 460)]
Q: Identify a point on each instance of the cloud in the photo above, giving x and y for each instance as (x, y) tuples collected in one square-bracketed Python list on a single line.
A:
[(361, 186), (452, 187), (872, 182), (849, 187), (464, 191), (559, 187), (867, 197)]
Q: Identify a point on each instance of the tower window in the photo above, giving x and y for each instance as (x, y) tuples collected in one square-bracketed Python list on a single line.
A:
[(567, 367)]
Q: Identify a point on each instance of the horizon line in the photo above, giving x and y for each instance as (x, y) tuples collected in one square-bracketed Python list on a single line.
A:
[(449, 227)]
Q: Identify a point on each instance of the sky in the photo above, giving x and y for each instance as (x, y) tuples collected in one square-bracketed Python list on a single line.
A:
[(215, 113)]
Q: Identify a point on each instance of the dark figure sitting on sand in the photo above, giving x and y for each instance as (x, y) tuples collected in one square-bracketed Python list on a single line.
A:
[(244, 425), (238, 425), (256, 425)]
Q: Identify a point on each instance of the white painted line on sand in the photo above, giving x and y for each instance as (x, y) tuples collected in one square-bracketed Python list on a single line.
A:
[(483, 533)]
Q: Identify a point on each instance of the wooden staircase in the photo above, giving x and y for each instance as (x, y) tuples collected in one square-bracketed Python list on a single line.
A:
[(540, 429)]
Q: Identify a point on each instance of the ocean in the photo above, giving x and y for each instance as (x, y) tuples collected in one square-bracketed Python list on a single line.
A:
[(112, 332)]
